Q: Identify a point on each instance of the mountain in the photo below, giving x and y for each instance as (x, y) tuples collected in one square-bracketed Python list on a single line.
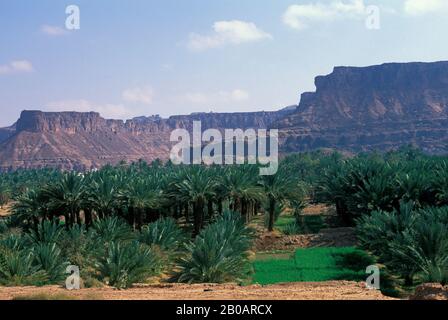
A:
[(5, 133), (83, 141), (353, 109), (372, 108)]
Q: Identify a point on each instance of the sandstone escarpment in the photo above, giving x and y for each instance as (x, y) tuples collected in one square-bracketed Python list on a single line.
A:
[(373, 108), (353, 109), (83, 141)]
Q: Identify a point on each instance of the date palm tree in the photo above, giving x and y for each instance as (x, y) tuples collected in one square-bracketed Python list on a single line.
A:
[(278, 188), (103, 190), (67, 196), (196, 188), (240, 186), (5, 193), (143, 197), (30, 207)]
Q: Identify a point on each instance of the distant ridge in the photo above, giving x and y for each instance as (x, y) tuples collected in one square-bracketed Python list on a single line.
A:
[(353, 109), (84, 141)]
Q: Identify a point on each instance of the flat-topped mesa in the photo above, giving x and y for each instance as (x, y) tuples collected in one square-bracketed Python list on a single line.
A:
[(69, 122), (73, 122), (387, 77), (353, 109), (241, 120), (365, 95)]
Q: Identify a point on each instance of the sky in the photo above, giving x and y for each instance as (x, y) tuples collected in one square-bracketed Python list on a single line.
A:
[(130, 58)]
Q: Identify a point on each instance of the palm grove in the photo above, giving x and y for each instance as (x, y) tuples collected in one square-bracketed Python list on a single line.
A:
[(128, 223)]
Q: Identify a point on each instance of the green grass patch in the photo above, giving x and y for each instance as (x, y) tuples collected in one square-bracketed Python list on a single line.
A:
[(314, 265), (308, 225), (284, 220)]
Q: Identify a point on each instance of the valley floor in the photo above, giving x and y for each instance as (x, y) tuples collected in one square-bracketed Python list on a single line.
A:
[(332, 290)]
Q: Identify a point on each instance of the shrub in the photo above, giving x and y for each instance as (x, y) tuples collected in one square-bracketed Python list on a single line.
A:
[(112, 230), (304, 225), (425, 246), (48, 257), (3, 226), (377, 231), (219, 253), (126, 264), (17, 268), (411, 242), (164, 233), (292, 228), (47, 232), (13, 242), (279, 208)]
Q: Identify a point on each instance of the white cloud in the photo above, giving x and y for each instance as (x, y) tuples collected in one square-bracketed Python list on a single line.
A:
[(419, 7), (197, 98), (144, 95), (227, 33), (17, 66), (239, 95), (200, 98), (300, 16), (108, 111), (53, 30)]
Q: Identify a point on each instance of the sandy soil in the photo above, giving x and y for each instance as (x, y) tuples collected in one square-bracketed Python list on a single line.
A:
[(317, 210), (333, 290), (336, 237), (4, 211)]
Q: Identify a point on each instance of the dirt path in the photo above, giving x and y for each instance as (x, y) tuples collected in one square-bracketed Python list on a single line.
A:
[(333, 290), (336, 237)]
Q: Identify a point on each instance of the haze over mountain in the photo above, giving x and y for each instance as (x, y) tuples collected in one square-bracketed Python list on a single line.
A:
[(353, 109)]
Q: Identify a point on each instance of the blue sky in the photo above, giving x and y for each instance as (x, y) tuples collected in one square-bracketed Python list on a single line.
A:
[(144, 57)]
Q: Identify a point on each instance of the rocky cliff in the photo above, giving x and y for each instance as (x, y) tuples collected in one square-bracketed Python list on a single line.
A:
[(5, 133), (373, 108), (84, 141), (353, 109)]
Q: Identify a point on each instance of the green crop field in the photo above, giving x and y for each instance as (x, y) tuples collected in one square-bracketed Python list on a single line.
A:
[(312, 265)]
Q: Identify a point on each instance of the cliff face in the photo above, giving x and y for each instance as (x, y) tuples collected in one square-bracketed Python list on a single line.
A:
[(353, 109), (83, 141), (5, 133), (373, 108)]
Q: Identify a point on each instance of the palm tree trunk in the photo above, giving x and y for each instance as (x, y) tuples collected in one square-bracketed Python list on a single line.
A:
[(196, 220), (198, 215), (87, 217), (210, 208), (139, 218), (271, 214), (187, 212), (78, 217), (220, 207), (67, 220), (244, 211), (35, 222)]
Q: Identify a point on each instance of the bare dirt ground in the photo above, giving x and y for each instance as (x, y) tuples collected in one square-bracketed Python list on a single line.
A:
[(329, 237), (336, 237), (317, 210), (333, 290), (4, 211)]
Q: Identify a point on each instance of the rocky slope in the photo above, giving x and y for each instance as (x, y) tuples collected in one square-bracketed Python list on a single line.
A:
[(83, 141), (353, 109), (373, 108)]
